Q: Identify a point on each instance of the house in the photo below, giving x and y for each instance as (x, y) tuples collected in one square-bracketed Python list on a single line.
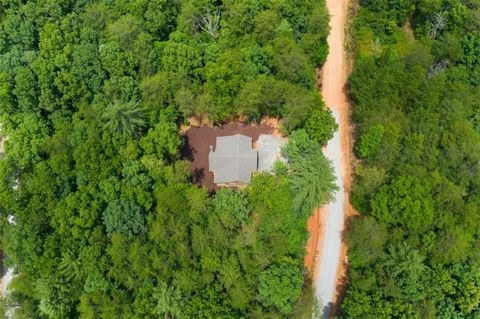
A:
[(233, 160)]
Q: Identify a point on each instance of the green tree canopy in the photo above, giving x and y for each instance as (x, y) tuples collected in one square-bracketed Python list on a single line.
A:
[(321, 125), (406, 201), (231, 207), (124, 118), (124, 217), (370, 141), (280, 286), (311, 174)]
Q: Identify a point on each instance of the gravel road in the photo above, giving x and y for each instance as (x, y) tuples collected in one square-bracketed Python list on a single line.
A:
[(333, 84), (330, 250)]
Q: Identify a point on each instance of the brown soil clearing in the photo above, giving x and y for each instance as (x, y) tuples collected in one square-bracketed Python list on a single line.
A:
[(197, 141)]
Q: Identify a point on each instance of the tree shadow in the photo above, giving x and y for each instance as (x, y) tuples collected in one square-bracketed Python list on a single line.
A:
[(187, 152), (197, 175)]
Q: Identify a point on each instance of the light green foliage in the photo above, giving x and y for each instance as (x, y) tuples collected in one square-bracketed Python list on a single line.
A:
[(280, 168), (27, 145), (181, 57), (271, 200), (300, 145), (321, 125), (124, 31), (96, 284), (231, 207), (208, 304), (115, 61), (370, 141), (224, 78), (162, 140), (453, 245), (280, 286), (169, 301), (19, 31), (53, 296), (406, 201)]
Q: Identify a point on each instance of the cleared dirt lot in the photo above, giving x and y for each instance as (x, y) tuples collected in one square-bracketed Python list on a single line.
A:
[(197, 145)]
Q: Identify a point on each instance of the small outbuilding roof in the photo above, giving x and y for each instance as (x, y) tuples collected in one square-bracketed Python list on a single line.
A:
[(233, 159)]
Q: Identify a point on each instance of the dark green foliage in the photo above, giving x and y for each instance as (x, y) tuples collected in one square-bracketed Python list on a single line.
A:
[(312, 182), (415, 90), (405, 267), (124, 118), (311, 174), (471, 56), (366, 239), (123, 217)]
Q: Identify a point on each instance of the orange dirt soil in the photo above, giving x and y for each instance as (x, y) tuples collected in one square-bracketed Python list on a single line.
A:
[(314, 241), (200, 120)]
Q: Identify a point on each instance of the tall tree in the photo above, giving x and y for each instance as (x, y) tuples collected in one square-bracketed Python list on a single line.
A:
[(124, 118)]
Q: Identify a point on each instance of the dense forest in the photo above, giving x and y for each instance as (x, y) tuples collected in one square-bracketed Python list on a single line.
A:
[(415, 86), (99, 217)]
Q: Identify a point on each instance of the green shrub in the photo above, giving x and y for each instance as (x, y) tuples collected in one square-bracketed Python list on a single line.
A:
[(370, 141)]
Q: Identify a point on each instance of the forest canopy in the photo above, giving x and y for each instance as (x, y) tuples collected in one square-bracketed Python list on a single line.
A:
[(99, 216), (415, 87)]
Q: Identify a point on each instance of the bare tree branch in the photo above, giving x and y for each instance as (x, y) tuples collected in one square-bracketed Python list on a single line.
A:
[(210, 23), (437, 67), (439, 22)]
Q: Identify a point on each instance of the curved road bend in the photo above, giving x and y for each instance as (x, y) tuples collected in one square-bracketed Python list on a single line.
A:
[(333, 82)]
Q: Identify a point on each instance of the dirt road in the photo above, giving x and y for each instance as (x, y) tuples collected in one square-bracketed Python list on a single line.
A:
[(332, 251)]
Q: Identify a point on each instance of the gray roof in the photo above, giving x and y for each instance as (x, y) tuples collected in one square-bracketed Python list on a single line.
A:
[(233, 159)]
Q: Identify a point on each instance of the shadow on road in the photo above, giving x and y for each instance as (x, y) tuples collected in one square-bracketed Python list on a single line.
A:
[(327, 310)]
